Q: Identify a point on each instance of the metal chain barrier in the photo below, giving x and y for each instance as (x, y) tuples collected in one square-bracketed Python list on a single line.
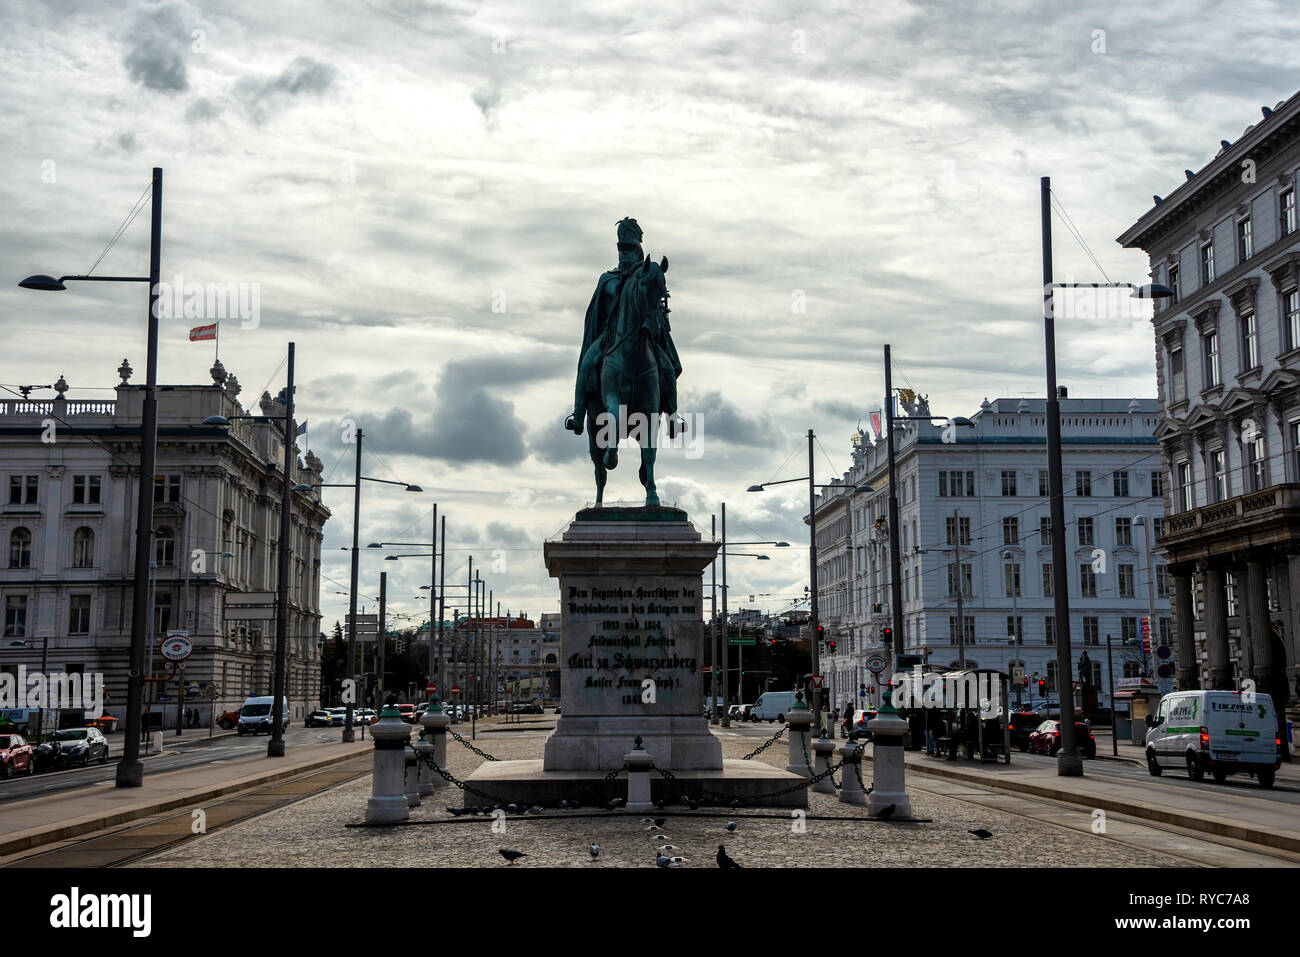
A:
[(767, 744), (482, 754)]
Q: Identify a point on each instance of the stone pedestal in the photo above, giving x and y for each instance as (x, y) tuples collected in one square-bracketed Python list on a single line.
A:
[(387, 803), (638, 779), (823, 749), (850, 787), (632, 640), (799, 758), (889, 733), (435, 723)]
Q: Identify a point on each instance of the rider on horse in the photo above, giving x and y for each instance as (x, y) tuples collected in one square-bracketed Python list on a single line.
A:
[(623, 290)]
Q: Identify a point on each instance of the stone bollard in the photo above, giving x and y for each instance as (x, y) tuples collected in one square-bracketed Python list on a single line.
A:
[(387, 802), (411, 777), (823, 749), (433, 744), (851, 791), (638, 778), (889, 733), (800, 720)]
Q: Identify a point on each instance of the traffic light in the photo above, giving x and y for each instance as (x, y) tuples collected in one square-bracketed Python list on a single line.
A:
[(1042, 687), (831, 646), (821, 633), (887, 633), (1026, 681)]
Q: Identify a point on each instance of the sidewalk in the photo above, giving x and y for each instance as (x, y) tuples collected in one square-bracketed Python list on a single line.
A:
[(41, 820), (1235, 813)]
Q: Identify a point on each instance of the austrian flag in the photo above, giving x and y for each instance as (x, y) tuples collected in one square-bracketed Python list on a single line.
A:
[(199, 333)]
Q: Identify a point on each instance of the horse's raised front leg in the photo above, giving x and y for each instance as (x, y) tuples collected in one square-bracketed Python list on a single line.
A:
[(612, 427)]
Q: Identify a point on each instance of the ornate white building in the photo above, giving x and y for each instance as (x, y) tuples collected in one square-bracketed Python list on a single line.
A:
[(973, 512), (67, 520)]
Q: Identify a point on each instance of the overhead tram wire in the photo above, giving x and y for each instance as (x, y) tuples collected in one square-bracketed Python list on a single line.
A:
[(1078, 237), (140, 203)]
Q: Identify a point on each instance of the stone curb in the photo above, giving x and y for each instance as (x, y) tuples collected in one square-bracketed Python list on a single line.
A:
[(1192, 822), (35, 837)]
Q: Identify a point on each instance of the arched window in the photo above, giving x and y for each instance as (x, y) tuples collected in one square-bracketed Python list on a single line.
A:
[(164, 547), (20, 548), (83, 548)]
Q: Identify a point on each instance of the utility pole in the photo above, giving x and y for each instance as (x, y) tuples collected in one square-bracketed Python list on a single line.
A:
[(961, 621), (813, 636), (348, 733), (726, 630), (713, 624), (383, 637)]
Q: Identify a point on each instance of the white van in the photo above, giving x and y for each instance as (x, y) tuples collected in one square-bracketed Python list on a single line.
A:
[(1223, 732), (255, 715), (772, 706)]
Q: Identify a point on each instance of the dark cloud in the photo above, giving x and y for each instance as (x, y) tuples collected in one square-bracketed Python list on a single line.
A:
[(304, 76), (202, 110), (725, 421), (158, 45)]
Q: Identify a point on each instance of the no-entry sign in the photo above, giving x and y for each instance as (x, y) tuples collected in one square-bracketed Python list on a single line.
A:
[(455, 689), (430, 688)]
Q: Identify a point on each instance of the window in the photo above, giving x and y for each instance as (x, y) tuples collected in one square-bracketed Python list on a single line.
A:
[(1008, 482), (1244, 246), (1120, 482), (1083, 483), (1047, 580), (943, 483), (1011, 579), (1049, 623), (1123, 530), (79, 615), (1043, 484), (1011, 531), (23, 489), (1162, 581), (968, 621), (970, 484), (162, 614), (1087, 581), (950, 529), (1085, 530), (1249, 342), (167, 488), (1218, 475), (1291, 305), (164, 547), (83, 548), (1157, 483), (1287, 202), (1185, 486), (1207, 263), (1128, 629), (956, 530), (1256, 464), (1295, 445), (1173, 284), (963, 530), (15, 616), (1125, 581), (1051, 679), (1045, 529), (1090, 630), (965, 580), (1177, 375), (1132, 669), (85, 490), (1016, 627), (1210, 351), (20, 548)]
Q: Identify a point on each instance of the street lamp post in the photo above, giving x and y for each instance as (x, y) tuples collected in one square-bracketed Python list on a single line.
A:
[(1015, 621), (1114, 724), (130, 772), (1069, 763), (1151, 588)]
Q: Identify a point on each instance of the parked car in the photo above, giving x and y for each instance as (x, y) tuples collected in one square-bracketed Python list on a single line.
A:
[(319, 719), (528, 709), (772, 705), (860, 719), (78, 746), (1022, 724), (227, 720), (1222, 732), (741, 712), (406, 712), (1046, 739), (15, 756)]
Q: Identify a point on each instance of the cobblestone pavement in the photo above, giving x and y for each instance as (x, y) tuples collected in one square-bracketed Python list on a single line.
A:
[(312, 832)]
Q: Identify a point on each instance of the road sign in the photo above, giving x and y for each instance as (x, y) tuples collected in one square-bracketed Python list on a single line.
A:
[(862, 694), (250, 598), (875, 664), (431, 688), (740, 641), (817, 680), (455, 689), (177, 646), (1018, 674), (1165, 671), (1163, 652)]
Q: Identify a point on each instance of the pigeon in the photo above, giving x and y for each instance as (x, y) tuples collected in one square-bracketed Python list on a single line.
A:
[(982, 834), (536, 809), (676, 861), (685, 799), (663, 861), (734, 804), (615, 803), (511, 808), (886, 813), (458, 811), (564, 803), (666, 847), (660, 804), (593, 850), (659, 821), (511, 856), (647, 820), (724, 861), (731, 825), (694, 805), (661, 837)]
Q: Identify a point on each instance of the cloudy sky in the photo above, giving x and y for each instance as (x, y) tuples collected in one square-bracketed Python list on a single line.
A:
[(425, 193)]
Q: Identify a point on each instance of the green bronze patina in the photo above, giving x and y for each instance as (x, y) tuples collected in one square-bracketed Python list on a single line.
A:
[(628, 365)]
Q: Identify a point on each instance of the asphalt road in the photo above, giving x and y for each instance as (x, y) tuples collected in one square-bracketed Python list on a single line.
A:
[(172, 758)]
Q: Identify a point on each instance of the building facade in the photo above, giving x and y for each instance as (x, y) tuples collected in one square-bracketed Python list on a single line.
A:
[(974, 515), (67, 519), (1228, 369)]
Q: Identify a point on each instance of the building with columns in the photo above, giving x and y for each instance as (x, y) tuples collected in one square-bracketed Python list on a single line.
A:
[(973, 510), (67, 519), (1227, 352)]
